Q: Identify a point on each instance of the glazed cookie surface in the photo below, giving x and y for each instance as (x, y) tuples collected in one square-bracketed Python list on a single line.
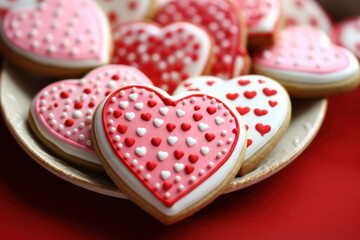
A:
[(263, 103), (226, 25), (167, 55), (119, 11), (347, 35), (308, 64), (170, 155), (61, 113), (61, 38), (306, 13), (264, 20)]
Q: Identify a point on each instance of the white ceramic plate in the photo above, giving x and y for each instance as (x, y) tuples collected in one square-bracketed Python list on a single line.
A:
[(17, 89)]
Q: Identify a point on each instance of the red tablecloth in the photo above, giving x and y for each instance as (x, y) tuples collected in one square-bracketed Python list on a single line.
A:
[(315, 197)]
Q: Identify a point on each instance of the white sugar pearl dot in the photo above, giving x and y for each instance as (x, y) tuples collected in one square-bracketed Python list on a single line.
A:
[(42, 102), (141, 168), (204, 98), (230, 140), (42, 109), (223, 133), (110, 110), (213, 100), (210, 164), (81, 137), (134, 162), (111, 122), (224, 151), (220, 106), (201, 172), (117, 138), (177, 179), (112, 129), (232, 119), (68, 133), (167, 195), (147, 176), (119, 146), (51, 116), (157, 185), (192, 179), (75, 130), (184, 102), (181, 187), (88, 142), (192, 99), (53, 122), (88, 119), (45, 94), (226, 113), (220, 143), (122, 93), (61, 127), (219, 155), (81, 125)]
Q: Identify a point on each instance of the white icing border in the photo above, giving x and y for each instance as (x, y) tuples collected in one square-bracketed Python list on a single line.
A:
[(191, 198), (65, 147), (72, 64)]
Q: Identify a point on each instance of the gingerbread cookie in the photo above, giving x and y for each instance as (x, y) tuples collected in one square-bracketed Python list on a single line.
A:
[(347, 35), (263, 103), (224, 22), (61, 113), (59, 38), (307, 64), (172, 156), (167, 55), (264, 20), (306, 13), (119, 11)]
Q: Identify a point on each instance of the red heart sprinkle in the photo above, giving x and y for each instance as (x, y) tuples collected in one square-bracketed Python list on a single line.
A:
[(197, 108), (250, 94), (167, 185), (211, 110), (122, 128), (151, 103), (262, 129), (249, 142), (146, 116), (269, 92), (129, 141), (69, 122), (178, 154), (243, 82), (64, 94), (209, 136), (185, 126), (260, 112), (189, 169), (273, 103), (232, 96), (156, 141), (210, 83), (78, 105), (170, 127), (261, 81), (117, 113), (197, 116), (193, 158), (243, 110), (151, 165)]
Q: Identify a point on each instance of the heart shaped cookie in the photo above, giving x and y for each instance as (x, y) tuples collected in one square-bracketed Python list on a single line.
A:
[(172, 156), (308, 13), (119, 11), (224, 22), (61, 113), (263, 19), (263, 103), (167, 55), (61, 38), (347, 35), (307, 64)]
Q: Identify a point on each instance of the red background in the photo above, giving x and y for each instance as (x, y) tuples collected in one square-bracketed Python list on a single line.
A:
[(315, 197)]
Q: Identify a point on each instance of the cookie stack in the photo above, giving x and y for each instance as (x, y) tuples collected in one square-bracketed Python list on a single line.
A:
[(165, 104)]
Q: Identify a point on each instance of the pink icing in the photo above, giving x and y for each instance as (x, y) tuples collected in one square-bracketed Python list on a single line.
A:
[(65, 108), (304, 50), (67, 29), (222, 22), (166, 55), (171, 178)]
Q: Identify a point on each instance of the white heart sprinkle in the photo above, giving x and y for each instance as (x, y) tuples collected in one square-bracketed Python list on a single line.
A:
[(141, 131), (133, 96), (124, 104), (205, 150), (165, 174), (178, 167), (139, 105), (172, 140), (162, 155), (219, 120), (140, 151), (190, 141), (180, 113), (158, 122), (164, 111), (203, 127), (129, 116)]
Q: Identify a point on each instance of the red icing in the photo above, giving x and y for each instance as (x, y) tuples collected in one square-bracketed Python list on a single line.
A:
[(193, 167), (262, 129)]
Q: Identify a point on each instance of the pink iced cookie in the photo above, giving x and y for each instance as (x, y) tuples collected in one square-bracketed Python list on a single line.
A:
[(306, 13), (61, 37), (347, 35), (308, 64), (167, 55), (61, 113), (170, 155), (225, 24), (119, 11), (263, 18), (263, 103)]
